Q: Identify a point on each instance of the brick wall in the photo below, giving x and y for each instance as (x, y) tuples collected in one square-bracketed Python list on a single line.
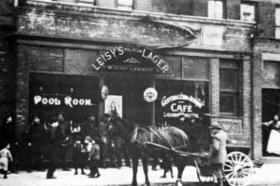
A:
[(215, 87), (7, 63), (22, 89), (247, 100)]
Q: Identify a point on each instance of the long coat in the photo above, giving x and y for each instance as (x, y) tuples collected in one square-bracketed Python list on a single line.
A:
[(218, 152), (5, 157)]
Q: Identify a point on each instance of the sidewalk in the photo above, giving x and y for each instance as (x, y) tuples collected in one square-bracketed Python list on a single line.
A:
[(268, 174), (109, 176)]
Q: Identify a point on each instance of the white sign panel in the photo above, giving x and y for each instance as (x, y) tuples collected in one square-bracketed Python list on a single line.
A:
[(213, 35), (114, 105)]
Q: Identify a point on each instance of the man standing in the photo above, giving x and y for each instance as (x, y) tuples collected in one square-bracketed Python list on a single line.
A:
[(37, 137), (53, 147), (64, 131), (218, 152)]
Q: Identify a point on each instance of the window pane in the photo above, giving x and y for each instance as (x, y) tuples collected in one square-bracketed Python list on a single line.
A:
[(195, 68), (211, 9), (219, 9), (175, 64), (125, 3), (247, 12), (215, 9), (277, 16), (227, 103), (228, 79)]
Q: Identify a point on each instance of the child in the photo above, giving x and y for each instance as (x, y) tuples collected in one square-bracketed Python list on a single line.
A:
[(166, 164), (93, 157), (5, 157), (78, 156)]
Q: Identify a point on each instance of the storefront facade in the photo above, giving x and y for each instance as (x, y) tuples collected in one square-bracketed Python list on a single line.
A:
[(67, 55), (266, 91)]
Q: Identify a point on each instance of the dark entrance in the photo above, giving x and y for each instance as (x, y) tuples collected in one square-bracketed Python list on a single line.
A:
[(270, 107), (134, 107)]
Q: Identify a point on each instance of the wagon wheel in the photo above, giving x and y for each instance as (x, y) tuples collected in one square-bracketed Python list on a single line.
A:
[(238, 169), (203, 178)]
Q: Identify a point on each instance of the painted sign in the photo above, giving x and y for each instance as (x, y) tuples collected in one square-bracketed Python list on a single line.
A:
[(150, 94), (57, 101), (181, 105), (114, 105), (132, 59)]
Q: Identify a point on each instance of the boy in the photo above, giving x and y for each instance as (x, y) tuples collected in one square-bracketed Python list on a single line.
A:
[(93, 157), (5, 157), (78, 156)]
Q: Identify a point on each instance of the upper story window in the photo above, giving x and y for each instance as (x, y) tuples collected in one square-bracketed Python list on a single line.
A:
[(125, 4), (277, 22), (230, 82), (247, 12), (215, 9), (88, 2)]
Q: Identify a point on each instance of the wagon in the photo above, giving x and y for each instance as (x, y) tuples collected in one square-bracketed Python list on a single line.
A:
[(237, 170)]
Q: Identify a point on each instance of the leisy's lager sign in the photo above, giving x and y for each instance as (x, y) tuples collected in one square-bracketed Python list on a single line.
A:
[(181, 105), (131, 59)]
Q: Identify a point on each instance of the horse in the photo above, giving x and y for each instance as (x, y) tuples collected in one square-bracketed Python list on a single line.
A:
[(141, 139)]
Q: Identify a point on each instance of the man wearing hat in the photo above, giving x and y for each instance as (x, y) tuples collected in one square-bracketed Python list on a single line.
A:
[(64, 130), (218, 152)]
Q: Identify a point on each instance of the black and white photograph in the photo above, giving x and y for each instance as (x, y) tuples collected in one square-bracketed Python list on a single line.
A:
[(139, 92)]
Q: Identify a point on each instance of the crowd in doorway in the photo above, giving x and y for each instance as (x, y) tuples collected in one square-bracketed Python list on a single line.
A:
[(59, 143)]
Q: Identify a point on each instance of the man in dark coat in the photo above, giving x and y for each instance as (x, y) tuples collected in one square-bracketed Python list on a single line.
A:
[(89, 128), (37, 138), (53, 139), (64, 132)]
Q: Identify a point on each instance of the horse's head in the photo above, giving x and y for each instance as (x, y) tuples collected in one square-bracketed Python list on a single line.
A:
[(115, 127)]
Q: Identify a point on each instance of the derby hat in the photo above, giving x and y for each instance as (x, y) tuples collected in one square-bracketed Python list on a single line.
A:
[(215, 125)]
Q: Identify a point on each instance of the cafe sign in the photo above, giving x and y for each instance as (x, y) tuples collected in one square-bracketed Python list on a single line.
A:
[(57, 101), (131, 59), (181, 105)]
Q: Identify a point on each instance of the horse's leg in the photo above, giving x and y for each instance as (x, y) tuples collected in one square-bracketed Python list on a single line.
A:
[(180, 166), (145, 168), (134, 168)]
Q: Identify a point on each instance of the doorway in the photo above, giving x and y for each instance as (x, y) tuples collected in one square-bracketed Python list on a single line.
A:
[(270, 107), (130, 90)]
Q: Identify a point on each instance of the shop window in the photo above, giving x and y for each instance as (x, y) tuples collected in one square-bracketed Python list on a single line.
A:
[(215, 9), (247, 12), (229, 88), (175, 64), (196, 68), (169, 108), (125, 4), (277, 23)]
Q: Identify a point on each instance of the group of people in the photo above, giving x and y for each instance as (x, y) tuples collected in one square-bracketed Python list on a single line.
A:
[(54, 140), (84, 140)]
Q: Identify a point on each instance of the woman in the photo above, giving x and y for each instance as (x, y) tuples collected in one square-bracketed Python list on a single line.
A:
[(274, 136)]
